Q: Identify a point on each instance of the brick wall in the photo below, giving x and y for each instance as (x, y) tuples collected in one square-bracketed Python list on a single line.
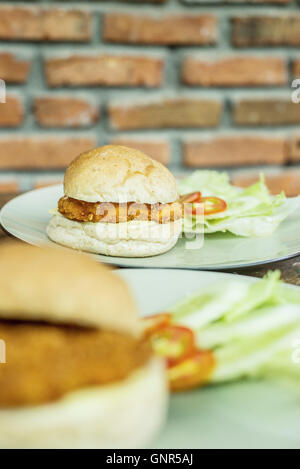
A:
[(194, 83)]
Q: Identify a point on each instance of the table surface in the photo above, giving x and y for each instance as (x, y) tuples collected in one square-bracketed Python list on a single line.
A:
[(290, 268)]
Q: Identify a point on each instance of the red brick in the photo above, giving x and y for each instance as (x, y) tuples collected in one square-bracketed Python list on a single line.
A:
[(160, 29), (286, 180), (266, 112), (234, 151), (296, 68), (9, 186), (11, 112), (157, 149), (108, 70), (24, 152), (294, 149), (13, 70), (266, 31), (178, 113), (64, 112), (36, 24), (235, 71)]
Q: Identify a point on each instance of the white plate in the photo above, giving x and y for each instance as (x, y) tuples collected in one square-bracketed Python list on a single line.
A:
[(242, 415), (27, 216)]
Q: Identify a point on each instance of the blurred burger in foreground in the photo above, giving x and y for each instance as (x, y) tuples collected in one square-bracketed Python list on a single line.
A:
[(118, 202), (77, 372)]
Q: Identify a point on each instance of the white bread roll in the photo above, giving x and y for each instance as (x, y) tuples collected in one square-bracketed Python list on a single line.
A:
[(131, 239), (117, 174), (113, 173), (55, 285)]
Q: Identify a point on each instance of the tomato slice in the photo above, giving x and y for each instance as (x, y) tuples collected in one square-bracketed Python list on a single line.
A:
[(174, 343), (191, 197), (213, 205), (155, 322), (206, 205), (197, 209), (192, 372)]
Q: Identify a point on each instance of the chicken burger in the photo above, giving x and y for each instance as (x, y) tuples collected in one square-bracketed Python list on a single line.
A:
[(117, 202), (77, 373)]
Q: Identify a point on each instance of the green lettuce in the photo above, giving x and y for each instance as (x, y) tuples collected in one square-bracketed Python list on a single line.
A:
[(250, 327), (250, 212)]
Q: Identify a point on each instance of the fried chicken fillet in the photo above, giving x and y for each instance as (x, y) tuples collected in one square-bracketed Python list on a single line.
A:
[(47, 361), (109, 212)]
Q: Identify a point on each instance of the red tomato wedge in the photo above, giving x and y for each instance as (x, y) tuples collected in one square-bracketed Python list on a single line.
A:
[(155, 322), (190, 198), (192, 372), (174, 343), (213, 205)]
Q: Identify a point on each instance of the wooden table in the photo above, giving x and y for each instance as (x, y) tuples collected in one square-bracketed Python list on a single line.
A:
[(290, 269)]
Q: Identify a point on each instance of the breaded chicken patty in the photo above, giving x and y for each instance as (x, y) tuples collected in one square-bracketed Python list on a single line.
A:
[(109, 212), (44, 362)]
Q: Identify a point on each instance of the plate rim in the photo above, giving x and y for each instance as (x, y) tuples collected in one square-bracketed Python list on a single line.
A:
[(211, 273), (110, 259)]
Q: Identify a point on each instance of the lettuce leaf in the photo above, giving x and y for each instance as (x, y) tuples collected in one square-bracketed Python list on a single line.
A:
[(210, 183), (251, 212), (249, 326)]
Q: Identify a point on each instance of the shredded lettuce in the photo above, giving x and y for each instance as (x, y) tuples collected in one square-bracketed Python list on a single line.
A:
[(250, 212), (260, 293), (247, 358), (249, 326)]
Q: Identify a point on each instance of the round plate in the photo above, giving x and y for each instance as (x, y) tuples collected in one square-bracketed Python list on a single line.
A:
[(244, 415), (27, 216)]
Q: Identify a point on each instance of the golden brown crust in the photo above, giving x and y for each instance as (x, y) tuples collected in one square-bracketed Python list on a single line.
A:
[(61, 286), (45, 362), (109, 212), (119, 174)]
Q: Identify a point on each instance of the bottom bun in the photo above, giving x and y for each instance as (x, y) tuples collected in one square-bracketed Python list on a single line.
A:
[(131, 239), (124, 415)]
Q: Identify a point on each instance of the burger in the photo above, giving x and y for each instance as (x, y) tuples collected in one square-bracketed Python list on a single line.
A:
[(78, 373), (118, 202)]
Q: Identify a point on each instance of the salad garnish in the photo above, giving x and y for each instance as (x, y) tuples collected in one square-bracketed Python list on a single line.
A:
[(246, 212), (228, 331)]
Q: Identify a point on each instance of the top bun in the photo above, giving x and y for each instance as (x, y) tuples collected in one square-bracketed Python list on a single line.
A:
[(119, 174), (63, 287)]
